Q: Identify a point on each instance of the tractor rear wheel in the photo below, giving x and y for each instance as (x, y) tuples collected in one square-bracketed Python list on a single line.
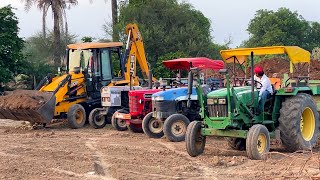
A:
[(96, 120), (299, 123), (119, 124), (236, 143), (258, 142), (76, 116), (152, 127), (136, 128), (195, 141), (175, 127)]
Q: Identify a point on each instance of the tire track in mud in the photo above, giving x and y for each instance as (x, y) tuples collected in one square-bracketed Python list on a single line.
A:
[(207, 171), (100, 166)]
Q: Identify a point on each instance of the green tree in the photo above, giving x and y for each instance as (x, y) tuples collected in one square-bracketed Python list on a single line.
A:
[(168, 26), (282, 27), (87, 39), (38, 51), (11, 58), (58, 8)]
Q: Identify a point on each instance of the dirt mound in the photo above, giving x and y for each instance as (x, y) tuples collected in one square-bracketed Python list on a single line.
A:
[(282, 66), (23, 99)]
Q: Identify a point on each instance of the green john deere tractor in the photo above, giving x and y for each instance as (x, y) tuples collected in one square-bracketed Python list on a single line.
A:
[(290, 115)]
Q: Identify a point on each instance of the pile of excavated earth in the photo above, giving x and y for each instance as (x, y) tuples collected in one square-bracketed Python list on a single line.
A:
[(22, 99)]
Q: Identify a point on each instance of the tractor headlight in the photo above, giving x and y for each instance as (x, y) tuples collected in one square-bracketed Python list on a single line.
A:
[(157, 98), (222, 101)]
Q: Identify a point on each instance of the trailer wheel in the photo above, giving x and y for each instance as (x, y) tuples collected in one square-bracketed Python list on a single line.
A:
[(195, 141), (175, 127), (76, 116), (258, 142), (119, 124), (96, 120), (136, 128), (152, 127), (236, 143), (299, 123)]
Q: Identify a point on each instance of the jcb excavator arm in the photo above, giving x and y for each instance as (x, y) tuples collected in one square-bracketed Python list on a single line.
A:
[(135, 52)]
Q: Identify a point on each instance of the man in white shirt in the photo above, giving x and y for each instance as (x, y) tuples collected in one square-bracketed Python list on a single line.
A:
[(264, 84)]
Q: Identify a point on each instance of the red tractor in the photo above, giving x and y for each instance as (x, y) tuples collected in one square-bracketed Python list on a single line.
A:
[(140, 104)]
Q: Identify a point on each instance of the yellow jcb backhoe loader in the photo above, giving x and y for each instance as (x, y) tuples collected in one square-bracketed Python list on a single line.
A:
[(74, 94)]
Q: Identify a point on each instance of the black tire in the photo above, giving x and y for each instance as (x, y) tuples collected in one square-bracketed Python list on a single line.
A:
[(152, 127), (119, 124), (258, 142), (175, 127), (195, 142), (291, 118), (96, 120), (136, 128), (236, 143), (76, 116)]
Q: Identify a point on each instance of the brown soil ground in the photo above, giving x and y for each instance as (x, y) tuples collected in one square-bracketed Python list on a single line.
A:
[(23, 99), (58, 152), (281, 66)]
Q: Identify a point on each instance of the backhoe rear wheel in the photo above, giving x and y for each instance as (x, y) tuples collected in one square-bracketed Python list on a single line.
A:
[(299, 123), (258, 142), (152, 127), (195, 141), (76, 116), (119, 124), (96, 120)]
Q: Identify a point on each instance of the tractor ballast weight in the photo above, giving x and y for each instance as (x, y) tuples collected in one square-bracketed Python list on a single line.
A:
[(174, 109), (290, 115)]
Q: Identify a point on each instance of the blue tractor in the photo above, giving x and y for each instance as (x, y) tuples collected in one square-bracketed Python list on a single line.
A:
[(174, 109)]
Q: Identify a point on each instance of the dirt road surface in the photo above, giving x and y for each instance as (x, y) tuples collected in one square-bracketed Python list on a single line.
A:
[(58, 152)]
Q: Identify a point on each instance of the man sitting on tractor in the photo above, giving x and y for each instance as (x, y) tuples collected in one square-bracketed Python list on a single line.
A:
[(264, 84)]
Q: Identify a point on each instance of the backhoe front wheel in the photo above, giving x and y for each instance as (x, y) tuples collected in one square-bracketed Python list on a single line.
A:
[(96, 120), (258, 142), (76, 116), (299, 123), (195, 141)]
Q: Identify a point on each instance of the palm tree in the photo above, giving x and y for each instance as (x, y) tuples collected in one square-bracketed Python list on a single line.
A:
[(58, 8)]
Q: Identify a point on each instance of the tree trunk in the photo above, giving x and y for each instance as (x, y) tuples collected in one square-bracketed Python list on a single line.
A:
[(56, 34), (44, 22), (114, 5)]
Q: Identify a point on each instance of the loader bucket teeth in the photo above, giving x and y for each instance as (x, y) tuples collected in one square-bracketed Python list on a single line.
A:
[(40, 111)]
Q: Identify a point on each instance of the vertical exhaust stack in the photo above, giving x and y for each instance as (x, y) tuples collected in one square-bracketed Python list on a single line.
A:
[(190, 85), (252, 80)]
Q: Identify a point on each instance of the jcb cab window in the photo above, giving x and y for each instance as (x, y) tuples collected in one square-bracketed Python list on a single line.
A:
[(106, 65)]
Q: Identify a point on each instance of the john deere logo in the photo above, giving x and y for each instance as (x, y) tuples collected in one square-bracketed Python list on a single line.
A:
[(147, 96)]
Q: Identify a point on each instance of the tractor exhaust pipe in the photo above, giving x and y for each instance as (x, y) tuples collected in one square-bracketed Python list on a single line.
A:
[(150, 79), (252, 81), (190, 85)]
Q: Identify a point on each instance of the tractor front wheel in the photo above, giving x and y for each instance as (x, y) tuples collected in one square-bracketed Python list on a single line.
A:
[(76, 116), (119, 124), (96, 120), (175, 127), (258, 142), (152, 127), (195, 141), (299, 123)]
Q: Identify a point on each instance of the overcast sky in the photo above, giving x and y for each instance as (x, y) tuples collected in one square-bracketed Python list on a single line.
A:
[(229, 18)]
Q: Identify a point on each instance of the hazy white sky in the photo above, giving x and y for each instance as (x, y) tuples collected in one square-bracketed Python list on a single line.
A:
[(229, 18)]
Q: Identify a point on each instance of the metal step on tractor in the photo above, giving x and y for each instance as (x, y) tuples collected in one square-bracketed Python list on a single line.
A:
[(290, 115), (174, 109)]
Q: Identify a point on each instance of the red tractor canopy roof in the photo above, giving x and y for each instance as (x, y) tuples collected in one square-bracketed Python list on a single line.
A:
[(199, 62)]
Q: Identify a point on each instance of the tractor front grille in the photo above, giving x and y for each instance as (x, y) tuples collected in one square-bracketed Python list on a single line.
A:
[(133, 103), (218, 110)]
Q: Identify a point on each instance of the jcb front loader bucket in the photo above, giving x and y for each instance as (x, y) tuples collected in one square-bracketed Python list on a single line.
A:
[(28, 105)]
